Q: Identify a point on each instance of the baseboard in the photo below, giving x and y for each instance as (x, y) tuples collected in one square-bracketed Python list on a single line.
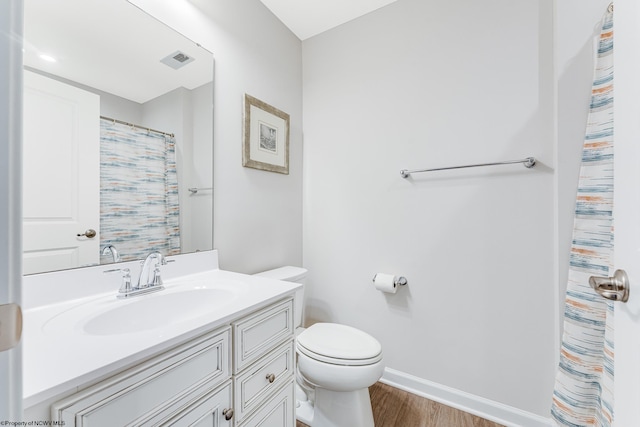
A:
[(479, 406)]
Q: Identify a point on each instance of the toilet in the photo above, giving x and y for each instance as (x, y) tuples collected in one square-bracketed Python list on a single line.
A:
[(336, 364)]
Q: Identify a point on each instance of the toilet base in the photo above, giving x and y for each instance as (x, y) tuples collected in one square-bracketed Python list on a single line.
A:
[(304, 411), (341, 409), (304, 404)]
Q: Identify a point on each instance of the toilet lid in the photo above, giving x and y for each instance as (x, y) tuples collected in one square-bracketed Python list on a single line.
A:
[(341, 342)]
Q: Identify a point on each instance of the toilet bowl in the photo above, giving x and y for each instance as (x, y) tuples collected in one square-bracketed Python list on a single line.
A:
[(340, 362), (336, 364)]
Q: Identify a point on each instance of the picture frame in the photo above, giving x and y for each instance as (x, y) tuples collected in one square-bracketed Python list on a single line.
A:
[(266, 137)]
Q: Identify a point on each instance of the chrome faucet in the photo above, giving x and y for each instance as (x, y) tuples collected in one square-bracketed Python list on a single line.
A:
[(148, 281), (114, 253), (148, 278)]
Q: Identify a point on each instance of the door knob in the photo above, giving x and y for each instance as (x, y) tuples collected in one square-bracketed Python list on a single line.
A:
[(614, 288), (90, 233)]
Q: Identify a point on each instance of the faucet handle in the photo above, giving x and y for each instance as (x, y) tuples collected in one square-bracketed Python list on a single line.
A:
[(126, 279), (162, 259), (157, 279)]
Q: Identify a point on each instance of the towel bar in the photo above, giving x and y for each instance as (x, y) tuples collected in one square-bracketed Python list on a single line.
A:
[(529, 162)]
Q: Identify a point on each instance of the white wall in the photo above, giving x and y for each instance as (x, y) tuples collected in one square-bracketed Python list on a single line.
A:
[(257, 214), (114, 106), (421, 84), (201, 175)]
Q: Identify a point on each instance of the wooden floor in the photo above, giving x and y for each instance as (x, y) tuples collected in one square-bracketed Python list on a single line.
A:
[(397, 408)]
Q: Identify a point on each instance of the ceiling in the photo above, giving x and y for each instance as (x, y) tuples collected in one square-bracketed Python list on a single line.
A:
[(307, 18), (107, 57), (112, 46)]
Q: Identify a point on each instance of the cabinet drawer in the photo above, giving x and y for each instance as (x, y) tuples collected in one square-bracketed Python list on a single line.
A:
[(259, 333), (254, 385), (151, 386), (279, 411)]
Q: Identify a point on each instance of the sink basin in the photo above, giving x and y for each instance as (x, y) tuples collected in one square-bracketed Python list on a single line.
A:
[(159, 312), (156, 311)]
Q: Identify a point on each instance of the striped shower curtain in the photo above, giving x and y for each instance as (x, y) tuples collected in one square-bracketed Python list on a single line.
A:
[(139, 208), (583, 394)]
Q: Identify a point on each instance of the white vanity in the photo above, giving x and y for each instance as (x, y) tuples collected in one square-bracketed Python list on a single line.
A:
[(212, 348)]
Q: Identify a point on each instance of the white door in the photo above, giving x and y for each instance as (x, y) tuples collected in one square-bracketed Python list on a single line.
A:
[(10, 130), (627, 209), (61, 175)]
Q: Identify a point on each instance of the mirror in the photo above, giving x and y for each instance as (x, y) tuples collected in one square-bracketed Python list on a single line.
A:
[(98, 70)]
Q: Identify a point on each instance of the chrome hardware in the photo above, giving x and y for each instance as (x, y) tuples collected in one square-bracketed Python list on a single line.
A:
[(528, 163), (125, 288), (114, 253), (146, 278), (147, 282), (271, 378), (194, 190), (10, 326), (398, 281), (614, 288), (401, 281), (89, 234), (228, 413), (134, 126)]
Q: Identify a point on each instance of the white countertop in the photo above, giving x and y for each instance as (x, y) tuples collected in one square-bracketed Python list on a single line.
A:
[(59, 359)]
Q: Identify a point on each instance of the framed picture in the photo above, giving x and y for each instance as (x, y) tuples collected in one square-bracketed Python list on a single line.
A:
[(266, 137)]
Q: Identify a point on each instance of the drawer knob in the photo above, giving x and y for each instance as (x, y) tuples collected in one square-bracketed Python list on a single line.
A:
[(228, 413), (271, 378)]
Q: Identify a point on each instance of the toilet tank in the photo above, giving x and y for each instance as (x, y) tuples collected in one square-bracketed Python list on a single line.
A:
[(291, 274)]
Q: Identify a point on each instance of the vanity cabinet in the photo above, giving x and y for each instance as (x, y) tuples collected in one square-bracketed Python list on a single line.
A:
[(277, 411), (256, 334), (210, 409), (172, 383), (265, 366), (239, 375)]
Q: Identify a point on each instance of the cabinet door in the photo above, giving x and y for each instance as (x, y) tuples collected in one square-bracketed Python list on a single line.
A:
[(161, 384), (211, 410), (279, 411)]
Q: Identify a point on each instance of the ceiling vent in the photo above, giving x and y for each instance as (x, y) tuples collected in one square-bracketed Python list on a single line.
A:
[(177, 60)]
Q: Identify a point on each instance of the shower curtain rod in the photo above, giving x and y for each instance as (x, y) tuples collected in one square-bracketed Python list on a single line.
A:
[(137, 126)]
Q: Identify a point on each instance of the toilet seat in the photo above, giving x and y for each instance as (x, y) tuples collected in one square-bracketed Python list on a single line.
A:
[(339, 345)]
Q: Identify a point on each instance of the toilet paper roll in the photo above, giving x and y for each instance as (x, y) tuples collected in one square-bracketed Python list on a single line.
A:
[(385, 283)]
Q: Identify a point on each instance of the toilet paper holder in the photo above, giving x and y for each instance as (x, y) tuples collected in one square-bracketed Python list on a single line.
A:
[(398, 281)]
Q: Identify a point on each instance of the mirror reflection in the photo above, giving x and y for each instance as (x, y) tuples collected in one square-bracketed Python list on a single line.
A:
[(118, 136)]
